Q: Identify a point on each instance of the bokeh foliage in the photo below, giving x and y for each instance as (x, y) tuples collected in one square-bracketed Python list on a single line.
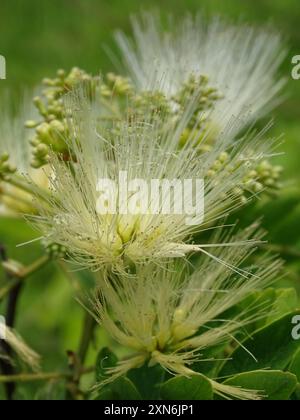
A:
[(39, 36)]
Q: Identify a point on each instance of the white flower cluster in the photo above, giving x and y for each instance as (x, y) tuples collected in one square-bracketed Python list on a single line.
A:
[(184, 111)]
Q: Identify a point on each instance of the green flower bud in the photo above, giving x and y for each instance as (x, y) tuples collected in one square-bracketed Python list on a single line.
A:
[(31, 124)]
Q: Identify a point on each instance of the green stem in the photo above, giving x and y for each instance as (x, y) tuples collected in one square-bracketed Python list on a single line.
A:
[(23, 274), (20, 183), (33, 377), (37, 265), (76, 360), (71, 276), (89, 324), (8, 287)]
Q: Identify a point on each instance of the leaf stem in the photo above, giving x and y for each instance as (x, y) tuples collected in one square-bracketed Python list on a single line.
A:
[(35, 266), (19, 182), (22, 274), (42, 376), (89, 324)]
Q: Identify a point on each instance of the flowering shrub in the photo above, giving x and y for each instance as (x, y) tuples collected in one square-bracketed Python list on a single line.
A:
[(192, 307)]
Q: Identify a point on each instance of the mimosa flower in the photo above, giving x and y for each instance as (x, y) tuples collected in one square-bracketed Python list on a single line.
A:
[(50, 121), (145, 149), (169, 317), (240, 61)]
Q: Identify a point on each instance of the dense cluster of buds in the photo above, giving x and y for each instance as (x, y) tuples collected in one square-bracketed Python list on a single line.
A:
[(52, 130), (6, 168), (55, 251)]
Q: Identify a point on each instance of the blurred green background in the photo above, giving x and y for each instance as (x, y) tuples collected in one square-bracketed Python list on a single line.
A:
[(39, 36)]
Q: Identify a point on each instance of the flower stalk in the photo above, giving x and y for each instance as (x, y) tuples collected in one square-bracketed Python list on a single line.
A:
[(19, 273)]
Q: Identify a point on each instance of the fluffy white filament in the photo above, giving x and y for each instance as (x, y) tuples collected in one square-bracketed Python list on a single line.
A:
[(241, 61)]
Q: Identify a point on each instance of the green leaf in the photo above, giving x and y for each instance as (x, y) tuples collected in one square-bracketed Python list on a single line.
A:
[(296, 395), (286, 301), (278, 301), (106, 359), (211, 360), (273, 384), (272, 346), (295, 369), (282, 219), (148, 380), (197, 387), (105, 394), (120, 389), (124, 389), (295, 365)]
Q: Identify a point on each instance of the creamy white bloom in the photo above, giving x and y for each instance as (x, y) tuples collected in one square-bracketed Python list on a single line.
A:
[(170, 317), (25, 353), (240, 61), (13, 134), (16, 151), (146, 149)]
